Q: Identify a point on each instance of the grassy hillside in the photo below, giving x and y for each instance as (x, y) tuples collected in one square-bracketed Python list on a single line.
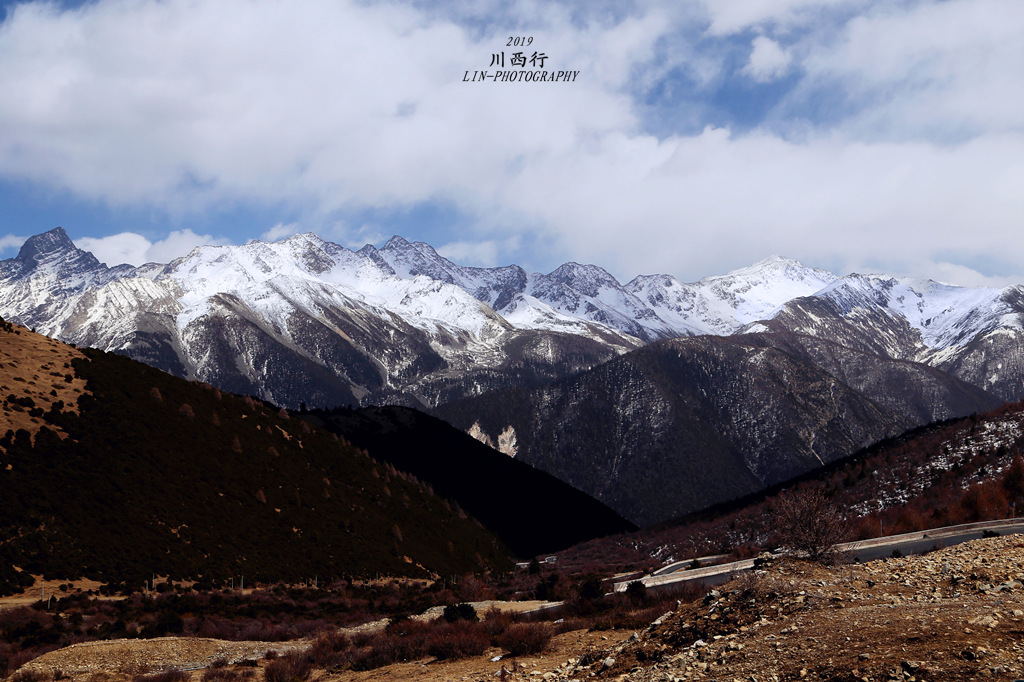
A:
[(156, 475)]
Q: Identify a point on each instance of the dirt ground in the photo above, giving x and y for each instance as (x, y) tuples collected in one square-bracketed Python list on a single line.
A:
[(123, 659), (953, 614), (116, 660), (565, 649)]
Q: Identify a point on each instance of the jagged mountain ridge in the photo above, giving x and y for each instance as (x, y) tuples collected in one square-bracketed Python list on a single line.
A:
[(649, 307), (306, 320), (301, 320), (976, 335)]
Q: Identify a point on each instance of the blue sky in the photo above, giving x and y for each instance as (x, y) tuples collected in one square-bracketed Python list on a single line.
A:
[(698, 136)]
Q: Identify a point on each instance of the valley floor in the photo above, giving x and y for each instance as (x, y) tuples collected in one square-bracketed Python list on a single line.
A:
[(952, 614)]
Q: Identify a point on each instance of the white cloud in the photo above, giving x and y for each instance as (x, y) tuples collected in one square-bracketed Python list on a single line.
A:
[(902, 140), (115, 249), (485, 254), (356, 238), (736, 16), (941, 71), (333, 103), (954, 273), (10, 241), (768, 60), (481, 254), (134, 249), (280, 231), (694, 206)]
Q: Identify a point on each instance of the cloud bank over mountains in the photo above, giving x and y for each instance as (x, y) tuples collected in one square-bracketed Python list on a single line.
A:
[(699, 136)]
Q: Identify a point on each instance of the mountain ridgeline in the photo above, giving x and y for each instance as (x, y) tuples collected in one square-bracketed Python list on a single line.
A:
[(656, 396)]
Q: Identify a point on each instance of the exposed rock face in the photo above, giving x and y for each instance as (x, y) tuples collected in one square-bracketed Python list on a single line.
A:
[(507, 442)]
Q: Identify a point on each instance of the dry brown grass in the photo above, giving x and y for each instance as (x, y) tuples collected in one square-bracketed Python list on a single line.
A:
[(36, 367)]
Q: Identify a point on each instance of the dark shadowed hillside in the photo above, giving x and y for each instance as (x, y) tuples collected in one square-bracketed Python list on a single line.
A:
[(156, 475), (532, 511), (684, 424), (951, 472)]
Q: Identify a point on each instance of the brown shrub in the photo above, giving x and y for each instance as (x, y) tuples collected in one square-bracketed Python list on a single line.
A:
[(29, 676), (222, 674), (331, 650), (387, 649), (290, 668), (807, 521), (457, 640), (520, 639)]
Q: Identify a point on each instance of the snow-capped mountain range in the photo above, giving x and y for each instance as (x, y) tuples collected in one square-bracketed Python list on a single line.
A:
[(306, 320)]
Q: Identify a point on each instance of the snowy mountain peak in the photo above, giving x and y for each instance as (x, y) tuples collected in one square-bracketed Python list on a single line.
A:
[(303, 239), (943, 314), (396, 242), (418, 258), (588, 279), (418, 251), (397, 277), (55, 262), (775, 269), (304, 288)]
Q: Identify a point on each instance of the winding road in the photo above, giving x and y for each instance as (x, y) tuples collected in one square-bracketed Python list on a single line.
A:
[(863, 550)]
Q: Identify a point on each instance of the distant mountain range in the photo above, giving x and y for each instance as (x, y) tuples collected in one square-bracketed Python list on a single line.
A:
[(757, 374), (402, 322)]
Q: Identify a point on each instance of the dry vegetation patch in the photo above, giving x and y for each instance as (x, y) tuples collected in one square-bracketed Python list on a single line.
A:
[(37, 372)]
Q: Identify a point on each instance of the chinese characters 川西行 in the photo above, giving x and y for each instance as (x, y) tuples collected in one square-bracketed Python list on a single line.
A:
[(519, 59)]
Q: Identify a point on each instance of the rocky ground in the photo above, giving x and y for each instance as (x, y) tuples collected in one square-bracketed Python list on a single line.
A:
[(953, 614)]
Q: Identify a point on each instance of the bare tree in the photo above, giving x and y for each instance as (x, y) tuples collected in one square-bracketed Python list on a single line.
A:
[(806, 521)]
